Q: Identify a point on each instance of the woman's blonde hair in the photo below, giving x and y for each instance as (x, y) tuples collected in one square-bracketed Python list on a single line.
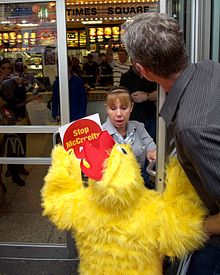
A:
[(120, 93)]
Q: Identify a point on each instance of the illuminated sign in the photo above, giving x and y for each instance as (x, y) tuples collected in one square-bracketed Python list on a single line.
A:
[(78, 12)]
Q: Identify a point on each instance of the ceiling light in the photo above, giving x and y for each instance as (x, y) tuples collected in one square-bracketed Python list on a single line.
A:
[(27, 25), (5, 22), (92, 22)]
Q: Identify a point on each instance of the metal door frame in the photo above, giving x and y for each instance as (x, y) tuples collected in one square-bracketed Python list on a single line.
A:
[(197, 30), (20, 255), (198, 24)]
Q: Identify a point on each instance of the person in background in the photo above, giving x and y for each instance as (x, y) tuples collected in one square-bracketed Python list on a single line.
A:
[(90, 69), (19, 67), (13, 92), (76, 66), (144, 95), (155, 43), (105, 73), (77, 97), (109, 55), (119, 67), (5, 69), (119, 106)]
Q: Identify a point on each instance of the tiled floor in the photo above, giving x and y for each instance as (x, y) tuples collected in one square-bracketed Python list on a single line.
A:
[(21, 217)]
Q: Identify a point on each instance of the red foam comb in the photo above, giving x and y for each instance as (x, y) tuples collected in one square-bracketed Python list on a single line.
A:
[(95, 154)]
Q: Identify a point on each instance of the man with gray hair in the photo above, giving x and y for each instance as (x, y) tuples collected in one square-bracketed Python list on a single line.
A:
[(155, 43)]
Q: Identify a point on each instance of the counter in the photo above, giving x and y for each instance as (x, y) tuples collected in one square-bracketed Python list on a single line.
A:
[(96, 95), (40, 114)]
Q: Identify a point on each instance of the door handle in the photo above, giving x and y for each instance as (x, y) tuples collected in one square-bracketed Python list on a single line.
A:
[(151, 169)]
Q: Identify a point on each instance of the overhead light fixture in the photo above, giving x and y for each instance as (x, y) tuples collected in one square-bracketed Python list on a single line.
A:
[(5, 22), (92, 22), (27, 25)]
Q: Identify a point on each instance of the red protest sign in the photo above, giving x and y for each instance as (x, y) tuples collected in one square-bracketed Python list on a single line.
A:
[(78, 132)]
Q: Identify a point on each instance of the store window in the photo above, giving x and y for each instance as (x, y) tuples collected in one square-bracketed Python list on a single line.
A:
[(28, 53), (28, 40), (94, 28)]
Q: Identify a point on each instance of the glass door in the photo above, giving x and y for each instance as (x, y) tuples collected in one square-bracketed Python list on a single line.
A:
[(32, 53), (215, 31)]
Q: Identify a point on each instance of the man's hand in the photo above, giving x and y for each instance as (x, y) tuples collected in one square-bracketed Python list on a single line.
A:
[(212, 224), (140, 96)]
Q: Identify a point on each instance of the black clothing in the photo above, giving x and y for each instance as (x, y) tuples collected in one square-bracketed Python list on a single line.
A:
[(90, 69), (15, 96), (105, 74), (15, 144), (133, 82), (105, 68)]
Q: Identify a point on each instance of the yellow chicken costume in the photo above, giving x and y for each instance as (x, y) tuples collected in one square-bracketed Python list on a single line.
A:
[(120, 227)]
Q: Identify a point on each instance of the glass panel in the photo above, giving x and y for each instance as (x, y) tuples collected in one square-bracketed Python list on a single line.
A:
[(28, 67), (182, 11), (28, 48), (215, 35), (94, 28), (20, 210)]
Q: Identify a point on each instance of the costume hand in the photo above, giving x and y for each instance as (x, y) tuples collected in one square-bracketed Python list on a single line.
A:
[(139, 96), (152, 155)]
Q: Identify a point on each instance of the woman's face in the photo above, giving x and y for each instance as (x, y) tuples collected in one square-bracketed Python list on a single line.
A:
[(119, 114), (5, 70)]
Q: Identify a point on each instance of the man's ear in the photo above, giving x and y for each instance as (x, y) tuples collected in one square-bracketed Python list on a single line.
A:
[(141, 70)]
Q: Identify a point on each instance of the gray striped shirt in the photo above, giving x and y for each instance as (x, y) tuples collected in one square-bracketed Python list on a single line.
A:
[(118, 70), (192, 110)]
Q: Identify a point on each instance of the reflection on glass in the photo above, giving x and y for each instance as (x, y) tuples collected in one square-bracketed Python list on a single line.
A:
[(28, 46)]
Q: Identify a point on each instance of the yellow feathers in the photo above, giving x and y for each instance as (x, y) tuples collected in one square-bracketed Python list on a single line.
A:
[(120, 226), (121, 184)]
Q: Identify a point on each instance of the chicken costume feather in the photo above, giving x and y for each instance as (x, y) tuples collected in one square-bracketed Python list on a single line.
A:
[(120, 227)]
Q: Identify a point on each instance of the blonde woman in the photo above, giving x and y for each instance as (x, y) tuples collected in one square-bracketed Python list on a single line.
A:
[(119, 106)]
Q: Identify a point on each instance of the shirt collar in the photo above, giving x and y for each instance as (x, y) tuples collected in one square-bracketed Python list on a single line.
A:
[(170, 105), (110, 127)]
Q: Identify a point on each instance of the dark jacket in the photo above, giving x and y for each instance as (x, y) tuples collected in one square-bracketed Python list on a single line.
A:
[(15, 97), (133, 82), (77, 98)]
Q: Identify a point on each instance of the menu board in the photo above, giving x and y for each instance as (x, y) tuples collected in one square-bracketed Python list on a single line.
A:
[(27, 38), (12, 39), (82, 39), (116, 33), (108, 32), (92, 35), (100, 34), (76, 38), (103, 34), (73, 39)]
